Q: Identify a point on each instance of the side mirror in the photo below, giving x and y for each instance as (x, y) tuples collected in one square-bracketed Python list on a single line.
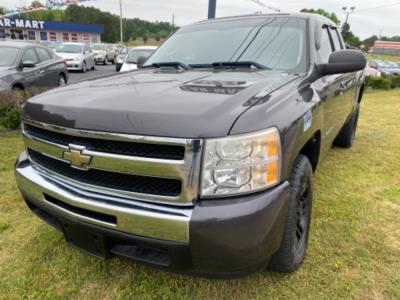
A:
[(140, 61), (343, 61), (28, 64)]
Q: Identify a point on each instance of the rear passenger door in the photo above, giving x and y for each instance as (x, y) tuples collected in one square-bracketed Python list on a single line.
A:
[(332, 89), (347, 81), (48, 67)]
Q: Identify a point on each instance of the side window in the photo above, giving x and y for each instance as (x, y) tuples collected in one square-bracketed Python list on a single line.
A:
[(43, 54), (30, 55), (335, 38), (326, 46)]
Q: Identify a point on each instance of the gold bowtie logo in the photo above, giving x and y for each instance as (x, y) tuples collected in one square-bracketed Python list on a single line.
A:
[(76, 157)]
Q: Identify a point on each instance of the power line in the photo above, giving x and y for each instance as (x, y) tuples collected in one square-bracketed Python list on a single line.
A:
[(380, 6), (265, 5)]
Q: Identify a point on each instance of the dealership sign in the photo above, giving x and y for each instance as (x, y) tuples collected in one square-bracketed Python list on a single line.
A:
[(21, 23)]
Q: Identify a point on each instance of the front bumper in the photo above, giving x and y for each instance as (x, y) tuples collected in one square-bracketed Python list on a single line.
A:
[(74, 66), (100, 58), (221, 237)]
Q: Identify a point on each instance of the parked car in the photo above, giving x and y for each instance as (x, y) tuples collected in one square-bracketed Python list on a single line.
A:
[(130, 62), (203, 160), (385, 67), (119, 61), (79, 56), (369, 71), (104, 53), (24, 65), (117, 48)]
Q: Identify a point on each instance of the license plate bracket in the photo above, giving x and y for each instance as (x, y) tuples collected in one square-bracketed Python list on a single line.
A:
[(84, 240)]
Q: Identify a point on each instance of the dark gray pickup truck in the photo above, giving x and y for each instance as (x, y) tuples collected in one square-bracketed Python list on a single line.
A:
[(202, 160)]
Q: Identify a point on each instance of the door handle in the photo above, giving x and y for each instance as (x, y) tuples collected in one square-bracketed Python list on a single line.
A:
[(42, 71)]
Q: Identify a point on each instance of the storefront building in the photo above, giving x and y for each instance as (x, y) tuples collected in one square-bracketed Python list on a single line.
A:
[(48, 31), (386, 47)]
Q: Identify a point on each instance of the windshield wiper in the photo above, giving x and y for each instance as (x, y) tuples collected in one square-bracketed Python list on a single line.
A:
[(239, 64), (173, 64)]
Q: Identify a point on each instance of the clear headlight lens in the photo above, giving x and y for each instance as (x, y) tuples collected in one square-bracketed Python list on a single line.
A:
[(241, 164)]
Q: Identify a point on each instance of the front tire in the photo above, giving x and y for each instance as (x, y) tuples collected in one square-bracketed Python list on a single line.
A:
[(347, 134), (62, 81), (294, 242), (84, 68), (105, 61)]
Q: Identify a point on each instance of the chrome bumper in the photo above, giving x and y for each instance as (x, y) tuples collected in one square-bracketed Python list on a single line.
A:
[(136, 217)]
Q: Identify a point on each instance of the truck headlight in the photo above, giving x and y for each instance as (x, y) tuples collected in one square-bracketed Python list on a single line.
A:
[(241, 164)]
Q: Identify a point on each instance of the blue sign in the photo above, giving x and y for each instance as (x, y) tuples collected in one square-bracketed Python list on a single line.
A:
[(49, 25)]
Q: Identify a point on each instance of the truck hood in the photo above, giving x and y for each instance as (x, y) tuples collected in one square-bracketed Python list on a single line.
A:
[(189, 104)]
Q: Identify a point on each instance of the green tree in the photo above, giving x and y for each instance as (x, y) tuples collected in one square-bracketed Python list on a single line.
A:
[(145, 36), (36, 4), (2, 10), (133, 28), (322, 12), (369, 42)]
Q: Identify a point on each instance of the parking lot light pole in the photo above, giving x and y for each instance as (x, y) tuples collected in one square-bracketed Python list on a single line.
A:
[(212, 6), (120, 21), (348, 11)]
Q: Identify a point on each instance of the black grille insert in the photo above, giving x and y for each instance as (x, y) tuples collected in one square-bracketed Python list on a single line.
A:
[(109, 146), (81, 211), (112, 180)]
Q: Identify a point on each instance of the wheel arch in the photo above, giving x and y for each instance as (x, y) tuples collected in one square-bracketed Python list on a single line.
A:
[(312, 149), (18, 85)]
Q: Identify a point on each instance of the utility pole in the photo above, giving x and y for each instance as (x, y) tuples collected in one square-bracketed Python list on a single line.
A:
[(120, 21), (212, 6), (173, 23)]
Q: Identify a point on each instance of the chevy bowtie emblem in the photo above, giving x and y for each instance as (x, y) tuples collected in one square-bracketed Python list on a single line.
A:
[(76, 157)]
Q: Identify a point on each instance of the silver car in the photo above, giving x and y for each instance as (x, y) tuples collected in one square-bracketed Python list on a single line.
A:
[(78, 56), (104, 53)]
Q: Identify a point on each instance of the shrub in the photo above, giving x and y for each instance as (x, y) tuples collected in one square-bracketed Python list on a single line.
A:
[(395, 82), (10, 106), (380, 83)]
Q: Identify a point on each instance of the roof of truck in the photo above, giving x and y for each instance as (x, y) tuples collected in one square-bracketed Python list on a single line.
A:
[(318, 17)]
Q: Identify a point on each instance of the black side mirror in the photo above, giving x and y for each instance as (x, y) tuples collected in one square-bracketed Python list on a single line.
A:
[(343, 61), (28, 64), (140, 61)]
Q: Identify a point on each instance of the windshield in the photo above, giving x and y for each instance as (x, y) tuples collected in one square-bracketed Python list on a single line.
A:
[(135, 54), (98, 47), (69, 48), (8, 56), (123, 51), (276, 43)]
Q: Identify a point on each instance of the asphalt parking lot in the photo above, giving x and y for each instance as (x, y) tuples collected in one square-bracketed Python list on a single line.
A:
[(101, 70)]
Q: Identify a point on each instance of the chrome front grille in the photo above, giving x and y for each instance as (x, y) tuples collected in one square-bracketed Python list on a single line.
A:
[(152, 169)]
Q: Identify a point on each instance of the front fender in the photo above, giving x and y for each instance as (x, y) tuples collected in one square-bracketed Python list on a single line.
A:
[(295, 110)]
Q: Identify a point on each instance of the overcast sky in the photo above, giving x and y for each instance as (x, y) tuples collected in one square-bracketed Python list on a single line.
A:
[(370, 17)]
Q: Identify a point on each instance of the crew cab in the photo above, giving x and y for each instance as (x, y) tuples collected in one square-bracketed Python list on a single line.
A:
[(201, 161)]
